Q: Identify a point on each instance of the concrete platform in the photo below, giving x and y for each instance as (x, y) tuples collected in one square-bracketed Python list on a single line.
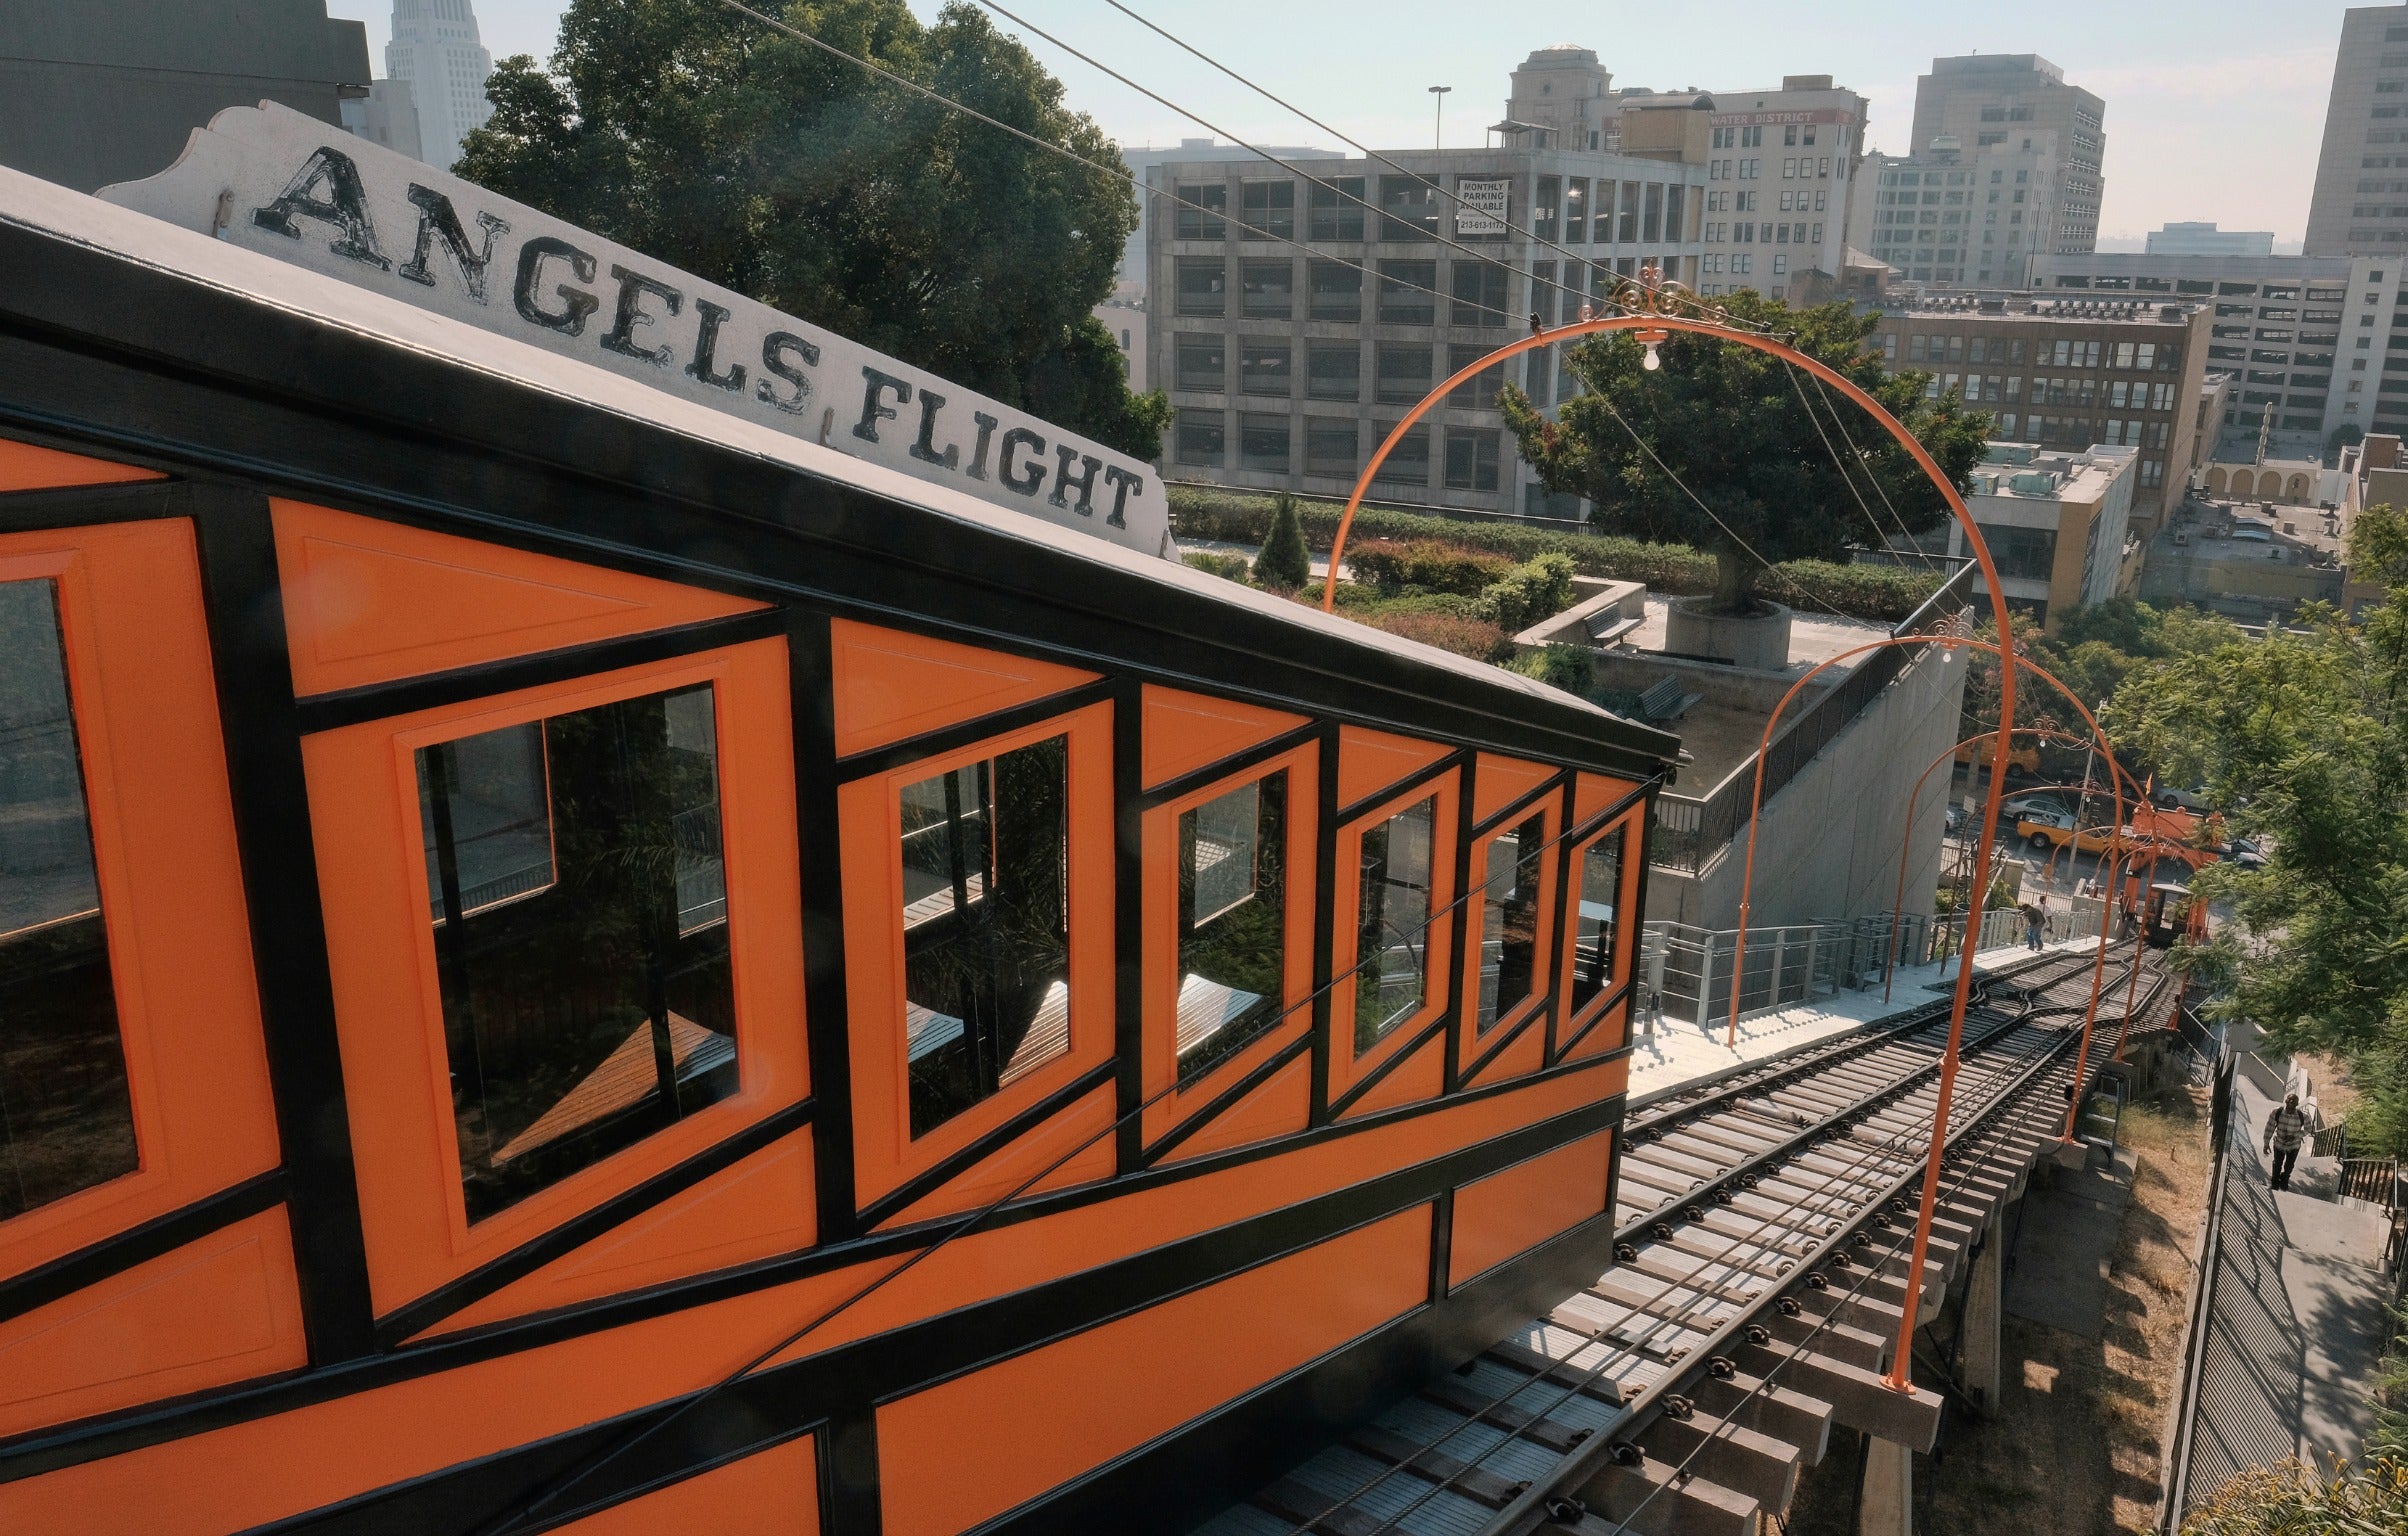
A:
[(1679, 1050)]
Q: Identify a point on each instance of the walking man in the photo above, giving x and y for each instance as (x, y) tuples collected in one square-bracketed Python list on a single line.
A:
[(2286, 1128), (2034, 916)]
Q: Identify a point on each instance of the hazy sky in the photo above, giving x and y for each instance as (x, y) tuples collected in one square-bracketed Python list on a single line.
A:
[(2214, 107)]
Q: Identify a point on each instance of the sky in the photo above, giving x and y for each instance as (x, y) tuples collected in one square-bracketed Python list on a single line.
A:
[(2215, 108)]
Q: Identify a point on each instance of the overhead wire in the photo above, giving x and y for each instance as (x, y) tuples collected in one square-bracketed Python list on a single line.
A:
[(1368, 152), (1841, 465), (1291, 167)]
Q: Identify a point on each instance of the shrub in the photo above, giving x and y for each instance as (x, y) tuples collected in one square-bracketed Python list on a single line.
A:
[(1476, 638), (2294, 1500), (1214, 563), (1886, 593), (1538, 588), (1428, 565), (1569, 667), (1284, 564)]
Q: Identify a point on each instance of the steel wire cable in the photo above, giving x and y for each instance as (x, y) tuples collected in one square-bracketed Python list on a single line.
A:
[(1839, 463), (1368, 152), (1840, 424), (1722, 1269), (1765, 1382), (1118, 173), (968, 1222), (1732, 533)]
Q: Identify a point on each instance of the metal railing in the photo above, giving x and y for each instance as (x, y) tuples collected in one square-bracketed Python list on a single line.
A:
[(1691, 830), (1688, 968)]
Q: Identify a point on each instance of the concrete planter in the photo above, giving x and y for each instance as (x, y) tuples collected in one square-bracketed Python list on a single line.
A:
[(1759, 641)]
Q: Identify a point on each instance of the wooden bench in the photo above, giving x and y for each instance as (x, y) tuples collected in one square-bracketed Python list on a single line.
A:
[(1664, 699)]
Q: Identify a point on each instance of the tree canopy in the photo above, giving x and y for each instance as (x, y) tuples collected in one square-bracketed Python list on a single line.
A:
[(2302, 738), (706, 139), (1724, 419)]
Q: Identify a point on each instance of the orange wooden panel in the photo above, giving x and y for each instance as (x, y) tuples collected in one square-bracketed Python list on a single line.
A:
[(1593, 792), (1594, 1038), (145, 702), (368, 601), (1281, 1105), (1079, 1138), (1187, 731), (1370, 761), (890, 685), (761, 1207), (886, 1154), (1169, 1101), (24, 467), (1516, 1209), (223, 1309), (363, 789), (1422, 1077), (1498, 782), (1346, 1067), (769, 1493), (968, 1450), (249, 1474)]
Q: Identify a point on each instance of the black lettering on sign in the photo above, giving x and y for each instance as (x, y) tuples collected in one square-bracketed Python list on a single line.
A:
[(872, 410), (1013, 441), (1085, 483), (575, 303), (986, 434), (1123, 483), (620, 338), (925, 449), (343, 205), (706, 350), (436, 220), (778, 348)]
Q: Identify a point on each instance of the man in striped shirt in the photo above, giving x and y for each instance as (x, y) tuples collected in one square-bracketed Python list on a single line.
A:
[(2286, 1128)]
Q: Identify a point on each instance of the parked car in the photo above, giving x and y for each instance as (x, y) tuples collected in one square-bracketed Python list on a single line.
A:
[(2243, 852), (2024, 805), (2053, 828)]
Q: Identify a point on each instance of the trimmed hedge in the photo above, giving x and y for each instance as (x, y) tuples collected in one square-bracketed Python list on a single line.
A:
[(1476, 638), (1887, 593), (1431, 565)]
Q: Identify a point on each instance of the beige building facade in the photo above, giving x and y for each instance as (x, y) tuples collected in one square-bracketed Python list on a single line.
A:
[(2001, 100), (2360, 205)]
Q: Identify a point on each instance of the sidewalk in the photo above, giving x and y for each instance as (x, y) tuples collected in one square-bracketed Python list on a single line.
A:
[(1679, 1050)]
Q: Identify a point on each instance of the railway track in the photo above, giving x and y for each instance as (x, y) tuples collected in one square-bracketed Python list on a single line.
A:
[(1763, 1227)]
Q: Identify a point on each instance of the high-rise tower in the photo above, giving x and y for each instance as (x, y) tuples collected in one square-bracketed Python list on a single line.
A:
[(435, 47), (2360, 206)]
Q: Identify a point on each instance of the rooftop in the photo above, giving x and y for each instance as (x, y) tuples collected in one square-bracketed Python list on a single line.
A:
[(2021, 307)]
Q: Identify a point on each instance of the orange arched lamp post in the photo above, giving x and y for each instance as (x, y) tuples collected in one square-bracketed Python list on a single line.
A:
[(1654, 314)]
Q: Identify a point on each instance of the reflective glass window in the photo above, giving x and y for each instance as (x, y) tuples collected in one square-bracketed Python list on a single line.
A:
[(1599, 894), (66, 1118), (1392, 922), (1232, 920), (579, 904), (986, 946), (1509, 919)]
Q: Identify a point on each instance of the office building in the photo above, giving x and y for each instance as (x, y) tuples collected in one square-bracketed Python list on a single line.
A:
[(387, 115), (436, 49), (2067, 375), (2020, 100), (2058, 525), (1128, 281), (1780, 160), (2193, 239), (1946, 217), (2309, 338), (1286, 371), (102, 91), (2360, 205)]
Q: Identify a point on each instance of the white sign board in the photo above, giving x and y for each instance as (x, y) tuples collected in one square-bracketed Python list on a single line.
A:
[(275, 181), (1484, 208)]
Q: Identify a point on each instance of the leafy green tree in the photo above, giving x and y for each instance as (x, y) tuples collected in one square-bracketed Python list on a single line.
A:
[(1724, 420), (2302, 738), (1284, 564), (702, 137)]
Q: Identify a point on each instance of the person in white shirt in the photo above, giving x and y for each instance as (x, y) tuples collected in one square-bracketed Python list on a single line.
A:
[(2286, 1128)]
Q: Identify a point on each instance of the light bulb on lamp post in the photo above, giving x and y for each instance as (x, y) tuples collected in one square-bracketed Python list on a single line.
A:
[(1438, 119)]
